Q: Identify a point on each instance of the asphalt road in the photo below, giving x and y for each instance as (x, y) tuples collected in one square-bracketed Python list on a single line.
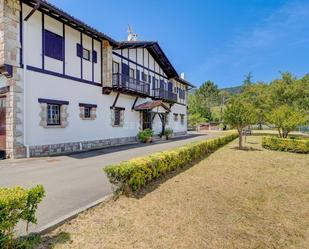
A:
[(74, 182)]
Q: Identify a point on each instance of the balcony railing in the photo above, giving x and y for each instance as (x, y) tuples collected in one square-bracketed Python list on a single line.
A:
[(126, 84), (165, 95)]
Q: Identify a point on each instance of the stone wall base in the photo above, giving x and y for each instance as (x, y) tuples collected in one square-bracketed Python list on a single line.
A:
[(180, 133), (66, 148)]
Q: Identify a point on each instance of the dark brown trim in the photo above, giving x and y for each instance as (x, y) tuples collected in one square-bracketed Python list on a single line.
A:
[(53, 101), (115, 101), (117, 108), (88, 105)]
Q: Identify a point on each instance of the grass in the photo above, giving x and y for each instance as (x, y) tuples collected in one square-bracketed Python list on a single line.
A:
[(232, 199)]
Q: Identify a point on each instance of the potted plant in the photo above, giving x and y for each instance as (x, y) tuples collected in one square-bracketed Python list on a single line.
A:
[(168, 132), (145, 136)]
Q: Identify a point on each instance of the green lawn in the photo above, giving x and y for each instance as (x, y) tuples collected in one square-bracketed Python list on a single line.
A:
[(232, 199)]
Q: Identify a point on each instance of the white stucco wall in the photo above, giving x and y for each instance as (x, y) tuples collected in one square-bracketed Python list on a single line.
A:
[(51, 87)]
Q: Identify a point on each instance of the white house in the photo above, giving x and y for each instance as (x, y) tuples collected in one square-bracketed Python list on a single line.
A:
[(66, 87)]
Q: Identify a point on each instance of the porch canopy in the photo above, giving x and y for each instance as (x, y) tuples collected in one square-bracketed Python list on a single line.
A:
[(147, 108)]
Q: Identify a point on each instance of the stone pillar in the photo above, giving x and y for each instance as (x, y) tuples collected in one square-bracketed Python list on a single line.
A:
[(9, 32), (10, 67), (107, 64)]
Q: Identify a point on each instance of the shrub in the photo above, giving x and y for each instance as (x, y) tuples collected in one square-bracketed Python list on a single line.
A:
[(132, 175), (168, 132), (17, 204), (145, 135), (286, 144)]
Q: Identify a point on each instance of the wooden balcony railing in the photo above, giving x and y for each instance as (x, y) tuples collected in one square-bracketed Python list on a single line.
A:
[(163, 94), (133, 86)]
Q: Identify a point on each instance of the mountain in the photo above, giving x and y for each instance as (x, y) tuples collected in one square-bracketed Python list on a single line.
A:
[(232, 90)]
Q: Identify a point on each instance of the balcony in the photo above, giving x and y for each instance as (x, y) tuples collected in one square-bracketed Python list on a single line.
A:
[(165, 95), (123, 83)]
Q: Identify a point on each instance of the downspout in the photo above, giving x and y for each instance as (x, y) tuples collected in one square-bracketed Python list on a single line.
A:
[(24, 24)]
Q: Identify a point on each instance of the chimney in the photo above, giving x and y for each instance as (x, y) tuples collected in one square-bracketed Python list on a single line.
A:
[(182, 75)]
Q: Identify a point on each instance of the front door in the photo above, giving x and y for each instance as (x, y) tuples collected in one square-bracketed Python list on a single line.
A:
[(146, 120), (2, 123)]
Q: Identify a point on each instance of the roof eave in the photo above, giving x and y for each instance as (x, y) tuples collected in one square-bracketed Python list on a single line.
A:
[(48, 8)]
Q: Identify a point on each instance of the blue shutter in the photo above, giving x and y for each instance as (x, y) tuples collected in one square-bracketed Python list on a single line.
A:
[(53, 45), (149, 79), (154, 82), (125, 70), (161, 84), (170, 86), (79, 50), (94, 56), (137, 75), (143, 76)]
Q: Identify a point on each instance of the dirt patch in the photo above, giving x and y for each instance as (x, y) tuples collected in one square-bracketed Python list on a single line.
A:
[(232, 199)]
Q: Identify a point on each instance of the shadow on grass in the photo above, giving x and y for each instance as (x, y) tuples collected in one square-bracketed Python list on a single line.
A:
[(49, 242), (245, 149), (162, 179)]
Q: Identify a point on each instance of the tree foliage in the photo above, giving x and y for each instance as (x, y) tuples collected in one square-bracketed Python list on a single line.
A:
[(239, 114)]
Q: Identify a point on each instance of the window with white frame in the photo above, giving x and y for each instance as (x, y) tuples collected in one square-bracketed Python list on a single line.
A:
[(131, 73), (53, 114), (115, 67), (86, 54)]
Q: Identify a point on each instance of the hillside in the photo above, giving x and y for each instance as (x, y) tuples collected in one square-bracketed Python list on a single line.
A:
[(232, 90)]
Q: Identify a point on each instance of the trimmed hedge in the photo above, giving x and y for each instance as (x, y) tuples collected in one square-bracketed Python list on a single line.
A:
[(286, 144), (17, 204), (132, 175)]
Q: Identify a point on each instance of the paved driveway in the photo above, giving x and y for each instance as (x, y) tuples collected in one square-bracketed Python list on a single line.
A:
[(75, 181)]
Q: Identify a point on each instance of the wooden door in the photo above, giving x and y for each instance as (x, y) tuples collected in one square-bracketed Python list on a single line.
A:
[(2, 123), (146, 120)]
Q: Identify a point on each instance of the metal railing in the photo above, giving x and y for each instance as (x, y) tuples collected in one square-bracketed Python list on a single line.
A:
[(160, 93), (124, 82)]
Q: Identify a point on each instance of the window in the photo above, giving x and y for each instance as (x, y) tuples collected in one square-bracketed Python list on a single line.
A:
[(182, 119), (144, 77), (117, 116), (175, 117), (86, 54), (115, 67), (87, 112), (53, 45), (131, 73), (117, 113), (53, 114)]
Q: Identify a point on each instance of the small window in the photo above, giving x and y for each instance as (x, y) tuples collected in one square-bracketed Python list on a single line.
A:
[(175, 117), (53, 45), (182, 119), (117, 117), (115, 67), (53, 114), (87, 112), (131, 73), (145, 77), (86, 54)]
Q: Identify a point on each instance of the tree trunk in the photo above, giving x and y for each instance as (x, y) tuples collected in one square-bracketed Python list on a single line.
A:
[(280, 135), (240, 139), (260, 126)]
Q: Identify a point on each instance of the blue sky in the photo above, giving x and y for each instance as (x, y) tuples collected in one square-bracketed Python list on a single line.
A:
[(219, 40)]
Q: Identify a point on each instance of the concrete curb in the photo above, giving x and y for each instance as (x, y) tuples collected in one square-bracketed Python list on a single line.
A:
[(63, 219)]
